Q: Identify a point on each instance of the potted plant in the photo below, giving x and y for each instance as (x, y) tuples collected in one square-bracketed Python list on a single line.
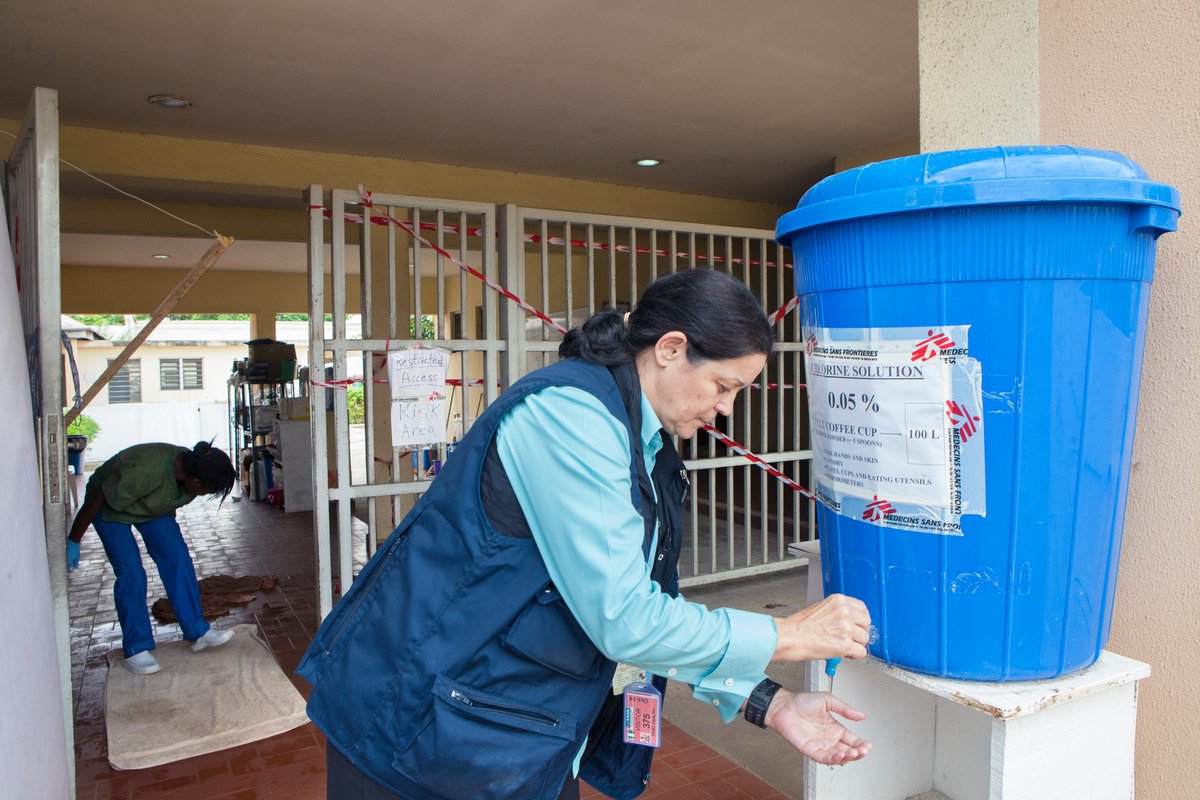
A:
[(82, 430)]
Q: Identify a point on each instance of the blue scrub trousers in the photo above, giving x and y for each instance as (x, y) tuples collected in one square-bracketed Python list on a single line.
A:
[(164, 543)]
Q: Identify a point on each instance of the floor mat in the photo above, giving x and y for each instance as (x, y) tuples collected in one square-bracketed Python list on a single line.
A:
[(199, 702)]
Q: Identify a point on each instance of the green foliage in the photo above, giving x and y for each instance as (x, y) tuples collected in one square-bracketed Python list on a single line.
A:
[(296, 317), (354, 402), (83, 425), (97, 320), (428, 327)]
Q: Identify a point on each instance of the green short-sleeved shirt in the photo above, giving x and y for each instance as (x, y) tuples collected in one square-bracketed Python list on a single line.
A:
[(139, 483)]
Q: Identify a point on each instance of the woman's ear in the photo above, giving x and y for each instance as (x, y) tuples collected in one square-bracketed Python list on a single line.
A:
[(670, 346)]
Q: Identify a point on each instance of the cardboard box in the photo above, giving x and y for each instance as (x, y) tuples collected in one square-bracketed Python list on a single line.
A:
[(279, 358), (294, 408), (263, 416)]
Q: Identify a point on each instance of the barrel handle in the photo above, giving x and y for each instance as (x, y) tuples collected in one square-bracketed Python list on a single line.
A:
[(1158, 219)]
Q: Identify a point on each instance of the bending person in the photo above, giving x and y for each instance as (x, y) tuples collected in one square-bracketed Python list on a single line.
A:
[(141, 487), (475, 655)]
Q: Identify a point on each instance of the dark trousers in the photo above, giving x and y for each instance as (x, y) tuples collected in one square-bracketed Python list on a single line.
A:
[(344, 781)]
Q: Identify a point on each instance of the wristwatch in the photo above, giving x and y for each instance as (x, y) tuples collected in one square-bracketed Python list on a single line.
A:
[(759, 701)]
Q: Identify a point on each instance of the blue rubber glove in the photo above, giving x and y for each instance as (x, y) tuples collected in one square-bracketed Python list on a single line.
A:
[(72, 555)]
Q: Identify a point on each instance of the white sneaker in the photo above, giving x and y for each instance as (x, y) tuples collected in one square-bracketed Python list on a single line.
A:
[(143, 663), (213, 638)]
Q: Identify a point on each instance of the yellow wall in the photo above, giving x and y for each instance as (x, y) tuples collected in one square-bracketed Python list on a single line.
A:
[(111, 290), (255, 192)]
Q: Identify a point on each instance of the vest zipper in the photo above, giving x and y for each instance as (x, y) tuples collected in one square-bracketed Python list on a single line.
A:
[(488, 705), (360, 599)]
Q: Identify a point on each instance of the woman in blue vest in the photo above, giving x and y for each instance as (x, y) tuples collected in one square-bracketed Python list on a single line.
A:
[(476, 656)]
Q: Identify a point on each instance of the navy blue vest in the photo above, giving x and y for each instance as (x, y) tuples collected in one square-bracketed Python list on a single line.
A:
[(453, 669)]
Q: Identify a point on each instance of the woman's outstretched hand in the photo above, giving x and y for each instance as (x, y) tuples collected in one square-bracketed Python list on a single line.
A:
[(837, 627), (806, 721)]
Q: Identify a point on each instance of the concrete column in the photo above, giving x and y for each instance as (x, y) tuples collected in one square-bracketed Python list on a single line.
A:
[(1119, 75), (1124, 75), (262, 325), (978, 67)]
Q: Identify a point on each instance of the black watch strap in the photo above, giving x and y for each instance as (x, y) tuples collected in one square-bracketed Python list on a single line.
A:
[(759, 701)]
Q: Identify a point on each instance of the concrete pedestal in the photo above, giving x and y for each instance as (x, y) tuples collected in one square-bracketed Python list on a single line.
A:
[(1029, 740)]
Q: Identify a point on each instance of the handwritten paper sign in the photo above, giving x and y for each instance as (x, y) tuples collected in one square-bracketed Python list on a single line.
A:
[(418, 379)]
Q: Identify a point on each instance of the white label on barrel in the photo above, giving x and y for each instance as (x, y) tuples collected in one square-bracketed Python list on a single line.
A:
[(896, 422)]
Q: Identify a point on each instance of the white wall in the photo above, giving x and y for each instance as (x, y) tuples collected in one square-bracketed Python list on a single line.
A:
[(184, 423), (33, 750)]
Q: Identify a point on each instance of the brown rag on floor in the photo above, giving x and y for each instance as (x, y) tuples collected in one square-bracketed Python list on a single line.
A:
[(217, 594)]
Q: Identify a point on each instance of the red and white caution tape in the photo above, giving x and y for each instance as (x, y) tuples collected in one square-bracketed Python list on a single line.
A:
[(346, 383), (388, 219), (367, 202), (533, 238), (784, 310), (536, 239), (756, 461), (777, 386)]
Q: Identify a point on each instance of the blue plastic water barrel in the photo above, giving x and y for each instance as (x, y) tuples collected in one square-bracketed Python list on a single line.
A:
[(974, 323)]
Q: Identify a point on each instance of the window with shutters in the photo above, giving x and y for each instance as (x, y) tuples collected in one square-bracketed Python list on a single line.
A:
[(126, 384), (180, 373)]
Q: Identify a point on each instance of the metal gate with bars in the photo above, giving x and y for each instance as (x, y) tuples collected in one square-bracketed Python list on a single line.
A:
[(424, 266)]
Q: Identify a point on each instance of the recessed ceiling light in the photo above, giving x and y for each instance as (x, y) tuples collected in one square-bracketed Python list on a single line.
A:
[(169, 101), (161, 255), (648, 162)]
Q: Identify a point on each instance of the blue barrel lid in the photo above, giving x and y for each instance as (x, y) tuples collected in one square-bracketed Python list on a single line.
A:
[(987, 176)]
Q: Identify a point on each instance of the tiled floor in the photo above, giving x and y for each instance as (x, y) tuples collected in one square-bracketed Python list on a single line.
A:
[(247, 538)]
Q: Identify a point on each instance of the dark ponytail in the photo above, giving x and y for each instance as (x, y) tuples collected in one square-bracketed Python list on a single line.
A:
[(717, 313), (212, 467), (601, 339)]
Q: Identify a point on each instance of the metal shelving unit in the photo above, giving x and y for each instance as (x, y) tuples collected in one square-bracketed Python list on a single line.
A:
[(253, 407)]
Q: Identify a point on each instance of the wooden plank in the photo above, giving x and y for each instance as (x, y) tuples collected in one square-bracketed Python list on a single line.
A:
[(215, 251)]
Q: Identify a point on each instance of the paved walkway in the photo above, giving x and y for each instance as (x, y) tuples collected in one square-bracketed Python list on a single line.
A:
[(248, 538)]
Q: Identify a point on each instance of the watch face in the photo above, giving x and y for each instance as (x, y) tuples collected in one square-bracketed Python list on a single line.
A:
[(759, 701)]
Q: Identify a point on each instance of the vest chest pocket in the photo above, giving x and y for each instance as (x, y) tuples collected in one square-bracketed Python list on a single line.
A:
[(547, 632), (486, 747)]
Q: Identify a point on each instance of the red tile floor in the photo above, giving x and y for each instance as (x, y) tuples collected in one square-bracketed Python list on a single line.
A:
[(249, 538)]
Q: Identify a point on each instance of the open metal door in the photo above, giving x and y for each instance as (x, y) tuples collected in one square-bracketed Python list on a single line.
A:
[(33, 222)]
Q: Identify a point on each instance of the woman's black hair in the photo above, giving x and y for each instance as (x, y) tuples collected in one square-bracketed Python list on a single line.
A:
[(717, 313), (212, 467)]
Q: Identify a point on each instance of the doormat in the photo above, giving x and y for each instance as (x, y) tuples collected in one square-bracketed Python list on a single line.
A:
[(199, 703)]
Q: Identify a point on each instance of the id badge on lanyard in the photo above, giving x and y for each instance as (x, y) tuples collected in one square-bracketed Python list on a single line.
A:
[(643, 715)]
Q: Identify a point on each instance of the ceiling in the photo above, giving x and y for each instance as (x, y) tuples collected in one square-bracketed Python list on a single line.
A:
[(740, 100)]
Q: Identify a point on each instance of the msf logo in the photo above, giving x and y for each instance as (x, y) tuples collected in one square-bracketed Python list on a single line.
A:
[(932, 346), (876, 509), (961, 418), (810, 344)]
